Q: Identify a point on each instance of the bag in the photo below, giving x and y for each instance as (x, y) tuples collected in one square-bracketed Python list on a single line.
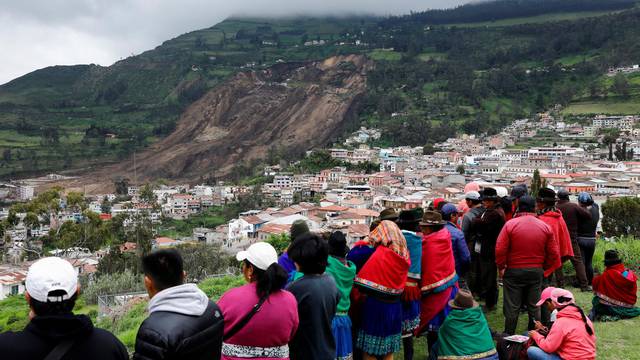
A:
[(60, 350), (509, 350), (245, 320)]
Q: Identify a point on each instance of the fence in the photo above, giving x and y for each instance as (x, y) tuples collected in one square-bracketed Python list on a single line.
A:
[(111, 303)]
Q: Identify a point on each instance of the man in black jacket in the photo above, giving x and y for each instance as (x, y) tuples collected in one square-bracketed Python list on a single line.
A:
[(51, 292), (487, 227), (183, 323)]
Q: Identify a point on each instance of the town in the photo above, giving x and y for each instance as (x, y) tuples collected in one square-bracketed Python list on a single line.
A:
[(563, 154)]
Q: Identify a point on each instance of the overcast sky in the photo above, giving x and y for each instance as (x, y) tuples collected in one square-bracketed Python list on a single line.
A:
[(39, 33)]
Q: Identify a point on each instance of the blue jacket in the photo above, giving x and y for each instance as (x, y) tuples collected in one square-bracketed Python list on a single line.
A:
[(414, 244), (460, 249)]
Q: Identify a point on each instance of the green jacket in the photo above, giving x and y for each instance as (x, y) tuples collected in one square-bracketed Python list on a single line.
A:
[(343, 275), (465, 333)]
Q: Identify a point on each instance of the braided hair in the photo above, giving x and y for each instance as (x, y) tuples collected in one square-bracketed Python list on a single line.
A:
[(563, 299)]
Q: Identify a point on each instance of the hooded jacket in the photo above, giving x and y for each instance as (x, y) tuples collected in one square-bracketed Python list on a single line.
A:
[(43, 333), (573, 214), (560, 233), (568, 337), (182, 324)]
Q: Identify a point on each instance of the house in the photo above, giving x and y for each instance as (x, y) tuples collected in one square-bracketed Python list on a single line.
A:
[(272, 229), (164, 242), (356, 232), (12, 282)]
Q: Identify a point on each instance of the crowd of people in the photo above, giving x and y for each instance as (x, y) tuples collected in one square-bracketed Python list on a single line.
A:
[(419, 273)]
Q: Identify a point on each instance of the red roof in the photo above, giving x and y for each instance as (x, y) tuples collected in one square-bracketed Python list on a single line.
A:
[(275, 229), (333, 208), (105, 216)]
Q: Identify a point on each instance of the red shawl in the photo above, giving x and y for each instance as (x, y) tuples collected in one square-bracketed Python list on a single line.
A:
[(560, 232), (438, 264), (615, 288), (385, 272)]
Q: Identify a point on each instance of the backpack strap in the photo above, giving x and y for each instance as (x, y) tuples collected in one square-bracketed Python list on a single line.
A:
[(61, 349), (245, 320)]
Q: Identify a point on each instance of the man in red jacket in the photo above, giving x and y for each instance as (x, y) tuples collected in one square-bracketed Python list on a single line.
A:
[(525, 251)]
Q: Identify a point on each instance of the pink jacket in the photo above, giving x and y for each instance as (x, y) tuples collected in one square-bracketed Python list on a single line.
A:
[(568, 337)]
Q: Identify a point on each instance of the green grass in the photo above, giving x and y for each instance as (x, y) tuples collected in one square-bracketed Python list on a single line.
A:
[(629, 107), (385, 55), (537, 19)]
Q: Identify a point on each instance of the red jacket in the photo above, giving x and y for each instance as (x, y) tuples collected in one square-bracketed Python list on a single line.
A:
[(526, 242), (557, 224), (568, 336), (617, 286)]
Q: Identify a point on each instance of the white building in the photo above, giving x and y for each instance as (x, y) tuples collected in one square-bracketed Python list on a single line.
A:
[(12, 282), (25, 192)]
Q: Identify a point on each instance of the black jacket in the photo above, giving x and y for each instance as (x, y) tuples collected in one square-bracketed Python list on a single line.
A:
[(43, 333), (573, 214), (168, 335), (486, 228)]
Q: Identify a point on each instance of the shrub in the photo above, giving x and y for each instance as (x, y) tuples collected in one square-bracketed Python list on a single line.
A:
[(620, 217), (115, 283)]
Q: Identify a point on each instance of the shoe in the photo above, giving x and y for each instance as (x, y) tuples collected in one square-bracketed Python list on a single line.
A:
[(587, 288)]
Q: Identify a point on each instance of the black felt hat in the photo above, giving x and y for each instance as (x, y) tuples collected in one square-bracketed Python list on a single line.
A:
[(490, 194)]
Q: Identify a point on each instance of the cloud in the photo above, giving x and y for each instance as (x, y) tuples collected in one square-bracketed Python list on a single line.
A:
[(40, 33)]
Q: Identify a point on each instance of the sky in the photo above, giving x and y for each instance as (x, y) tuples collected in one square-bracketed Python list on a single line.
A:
[(40, 33)]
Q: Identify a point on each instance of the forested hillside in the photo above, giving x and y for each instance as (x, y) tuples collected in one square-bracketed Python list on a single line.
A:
[(432, 77)]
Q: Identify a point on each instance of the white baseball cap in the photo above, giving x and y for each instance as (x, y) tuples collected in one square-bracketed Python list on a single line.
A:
[(260, 254), (472, 195), (51, 274)]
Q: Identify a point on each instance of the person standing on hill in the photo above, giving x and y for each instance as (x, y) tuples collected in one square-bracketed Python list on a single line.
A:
[(439, 281), (525, 250), (573, 215), (298, 228), (317, 297), (474, 202), (260, 318), (382, 280), (408, 223), (587, 233), (183, 323), (550, 215), (487, 227), (343, 272), (54, 331), (460, 249)]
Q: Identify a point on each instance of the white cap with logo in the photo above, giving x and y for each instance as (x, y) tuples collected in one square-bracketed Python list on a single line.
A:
[(261, 255), (51, 274)]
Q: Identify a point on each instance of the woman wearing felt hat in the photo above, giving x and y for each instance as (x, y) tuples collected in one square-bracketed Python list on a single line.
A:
[(465, 334), (615, 291)]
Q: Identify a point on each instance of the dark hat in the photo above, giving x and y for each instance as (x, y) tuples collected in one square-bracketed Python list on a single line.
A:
[(463, 300), (338, 244), (611, 257), (432, 218), (563, 194), (410, 216), (585, 198), (298, 228), (546, 195), (527, 204), (490, 194), (388, 214), (518, 191)]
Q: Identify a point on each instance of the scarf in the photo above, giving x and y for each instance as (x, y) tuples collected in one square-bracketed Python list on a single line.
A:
[(388, 234), (438, 263), (465, 335), (343, 275), (546, 210)]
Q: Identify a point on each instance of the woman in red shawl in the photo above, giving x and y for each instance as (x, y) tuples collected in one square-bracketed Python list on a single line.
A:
[(615, 291), (382, 279), (439, 281)]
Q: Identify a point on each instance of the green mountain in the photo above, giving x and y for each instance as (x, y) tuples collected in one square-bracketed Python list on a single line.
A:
[(472, 69)]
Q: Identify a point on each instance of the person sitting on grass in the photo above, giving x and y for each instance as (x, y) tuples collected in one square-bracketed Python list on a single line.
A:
[(572, 335), (465, 321), (616, 291)]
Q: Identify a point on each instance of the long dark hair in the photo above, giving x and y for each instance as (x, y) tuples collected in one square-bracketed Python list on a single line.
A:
[(270, 280), (563, 299)]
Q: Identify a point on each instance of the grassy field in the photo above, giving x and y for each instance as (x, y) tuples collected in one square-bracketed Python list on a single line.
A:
[(385, 55), (603, 107), (537, 19)]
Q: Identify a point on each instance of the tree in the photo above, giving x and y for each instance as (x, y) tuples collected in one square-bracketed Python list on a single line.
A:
[(147, 195), (31, 221), (12, 218), (76, 201), (609, 139), (202, 260), (279, 242), (105, 206), (460, 169), (536, 183), (122, 186), (620, 217), (428, 149), (620, 86), (6, 155)]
